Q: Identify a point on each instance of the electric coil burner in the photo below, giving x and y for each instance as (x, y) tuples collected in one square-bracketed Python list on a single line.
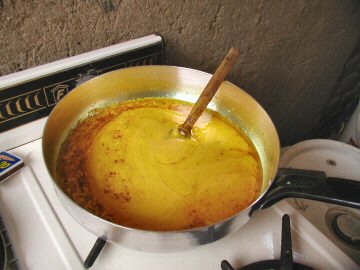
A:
[(286, 259)]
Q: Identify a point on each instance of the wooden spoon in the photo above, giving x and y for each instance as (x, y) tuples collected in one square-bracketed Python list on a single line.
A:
[(208, 93)]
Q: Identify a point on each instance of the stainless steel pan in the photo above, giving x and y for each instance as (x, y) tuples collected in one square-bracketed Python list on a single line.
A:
[(185, 84)]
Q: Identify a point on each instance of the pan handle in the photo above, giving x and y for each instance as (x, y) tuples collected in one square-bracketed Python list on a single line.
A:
[(313, 185)]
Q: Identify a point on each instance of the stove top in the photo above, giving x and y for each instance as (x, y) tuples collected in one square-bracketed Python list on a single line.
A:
[(43, 233)]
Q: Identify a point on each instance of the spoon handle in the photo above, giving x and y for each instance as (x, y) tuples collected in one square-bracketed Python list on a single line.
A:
[(207, 94)]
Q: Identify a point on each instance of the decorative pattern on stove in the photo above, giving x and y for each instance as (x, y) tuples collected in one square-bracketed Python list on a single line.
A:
[(20, 105), (35, 99)]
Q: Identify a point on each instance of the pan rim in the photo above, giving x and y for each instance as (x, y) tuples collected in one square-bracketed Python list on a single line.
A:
[(202, 228)]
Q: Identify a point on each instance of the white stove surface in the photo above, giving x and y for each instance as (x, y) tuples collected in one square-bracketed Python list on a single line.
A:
[(45, 236)]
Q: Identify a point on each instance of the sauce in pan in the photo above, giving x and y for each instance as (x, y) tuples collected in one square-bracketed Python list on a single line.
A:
[(126, 164)]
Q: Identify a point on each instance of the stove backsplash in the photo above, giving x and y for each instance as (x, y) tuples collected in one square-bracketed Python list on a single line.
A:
[(31, 100)]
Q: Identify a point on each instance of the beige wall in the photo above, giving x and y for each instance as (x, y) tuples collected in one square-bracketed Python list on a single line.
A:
[(292, 52)]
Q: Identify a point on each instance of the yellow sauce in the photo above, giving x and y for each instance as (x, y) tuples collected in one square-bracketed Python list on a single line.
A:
[(127, 163)]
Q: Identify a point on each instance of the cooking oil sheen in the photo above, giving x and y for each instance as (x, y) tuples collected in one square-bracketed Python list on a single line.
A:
[(139, 173)]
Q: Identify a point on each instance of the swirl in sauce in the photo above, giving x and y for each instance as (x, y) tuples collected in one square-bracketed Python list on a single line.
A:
[(124, 163)]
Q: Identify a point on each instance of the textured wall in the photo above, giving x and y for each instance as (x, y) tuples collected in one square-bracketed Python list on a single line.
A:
[(344, 98), (292, 52)]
